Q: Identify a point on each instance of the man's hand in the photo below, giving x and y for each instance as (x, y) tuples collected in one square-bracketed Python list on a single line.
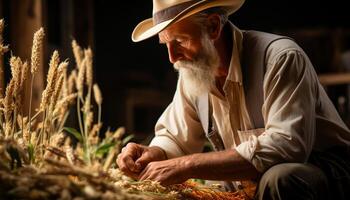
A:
[(221, 165), (167, 172), (135, 157)]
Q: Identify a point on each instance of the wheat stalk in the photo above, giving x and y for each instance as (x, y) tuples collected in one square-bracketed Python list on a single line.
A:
[(37, 50), (89, 67), (8, 106), (98, 99), (71, 81), (78, 53), (80, 78), (35, 63), (16, 72), (59, 84), (51, 80)]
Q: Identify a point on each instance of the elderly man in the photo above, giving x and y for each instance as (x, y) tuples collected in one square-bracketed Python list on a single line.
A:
[(254, 95)]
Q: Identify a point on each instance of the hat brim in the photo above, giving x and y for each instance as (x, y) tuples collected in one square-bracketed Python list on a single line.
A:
[(146, 29)]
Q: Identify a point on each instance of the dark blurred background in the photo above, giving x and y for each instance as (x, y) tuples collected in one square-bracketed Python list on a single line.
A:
[(136, 79)]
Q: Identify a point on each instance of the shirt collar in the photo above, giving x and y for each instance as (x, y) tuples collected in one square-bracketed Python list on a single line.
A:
[(235, 72)]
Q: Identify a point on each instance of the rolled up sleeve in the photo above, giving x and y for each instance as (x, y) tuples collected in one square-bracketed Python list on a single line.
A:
[(178, 131), (288, 111)]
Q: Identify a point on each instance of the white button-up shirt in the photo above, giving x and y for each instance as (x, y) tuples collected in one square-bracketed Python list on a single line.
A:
[(298, 115)]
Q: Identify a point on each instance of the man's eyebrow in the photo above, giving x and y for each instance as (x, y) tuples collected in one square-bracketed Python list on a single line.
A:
[(164, 42), (174, 38), (161, 40)]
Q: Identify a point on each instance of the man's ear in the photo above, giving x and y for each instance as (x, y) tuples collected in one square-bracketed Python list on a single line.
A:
[(214, 26)]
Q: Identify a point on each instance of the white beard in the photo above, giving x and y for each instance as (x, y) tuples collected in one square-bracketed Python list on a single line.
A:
[(199, 75)]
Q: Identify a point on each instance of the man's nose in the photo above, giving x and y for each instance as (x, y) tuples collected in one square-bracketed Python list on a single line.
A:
[(174, 53)]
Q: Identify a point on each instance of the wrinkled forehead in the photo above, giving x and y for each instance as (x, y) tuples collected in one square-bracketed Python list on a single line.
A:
[(186, 26)]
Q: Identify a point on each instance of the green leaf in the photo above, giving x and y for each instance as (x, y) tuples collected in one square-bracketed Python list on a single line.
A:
[(31, 152), (127, 139), (104, 148), (75, 133), (107, 140), (197, 180)]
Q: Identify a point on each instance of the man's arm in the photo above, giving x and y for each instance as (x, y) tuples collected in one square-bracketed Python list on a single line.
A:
[(178, 130), (222, 165), (289, 110)]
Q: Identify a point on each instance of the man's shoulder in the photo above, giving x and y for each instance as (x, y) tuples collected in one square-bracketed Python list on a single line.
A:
[(268, 46), (264, 47), (281, 47), (270, 40), (260, 35), (276, 44)]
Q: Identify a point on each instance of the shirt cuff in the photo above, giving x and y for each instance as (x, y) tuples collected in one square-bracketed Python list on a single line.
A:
[(247, 151), (171, 149)]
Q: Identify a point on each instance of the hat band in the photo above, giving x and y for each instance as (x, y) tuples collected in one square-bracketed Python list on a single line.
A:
[(171, 12)]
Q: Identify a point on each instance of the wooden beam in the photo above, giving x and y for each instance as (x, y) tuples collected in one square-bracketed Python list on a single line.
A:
[(334, 78), (2, 69), (26, 18)]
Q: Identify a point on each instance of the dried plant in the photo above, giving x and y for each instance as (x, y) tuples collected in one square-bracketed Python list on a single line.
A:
[(35, 63)]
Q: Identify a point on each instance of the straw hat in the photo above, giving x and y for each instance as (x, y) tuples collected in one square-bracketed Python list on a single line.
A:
[(167, 12)]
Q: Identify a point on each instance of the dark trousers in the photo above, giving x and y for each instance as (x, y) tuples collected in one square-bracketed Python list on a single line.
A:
[(325, 176)]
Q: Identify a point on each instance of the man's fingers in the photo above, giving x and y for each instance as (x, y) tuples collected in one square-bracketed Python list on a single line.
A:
[(144, 174), (129, 163), (151, 173), (150, 155), (124, 167), (126, 159), (134, 158), (142, 161), (126, 163)]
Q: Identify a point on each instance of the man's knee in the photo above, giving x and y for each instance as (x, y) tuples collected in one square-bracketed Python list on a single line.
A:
[(293, 181)]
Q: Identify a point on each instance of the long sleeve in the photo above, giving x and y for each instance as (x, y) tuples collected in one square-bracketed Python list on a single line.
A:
[(178, 131), (290, 87)]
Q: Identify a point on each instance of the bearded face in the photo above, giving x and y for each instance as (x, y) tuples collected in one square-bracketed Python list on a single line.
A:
[(199, 75)]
